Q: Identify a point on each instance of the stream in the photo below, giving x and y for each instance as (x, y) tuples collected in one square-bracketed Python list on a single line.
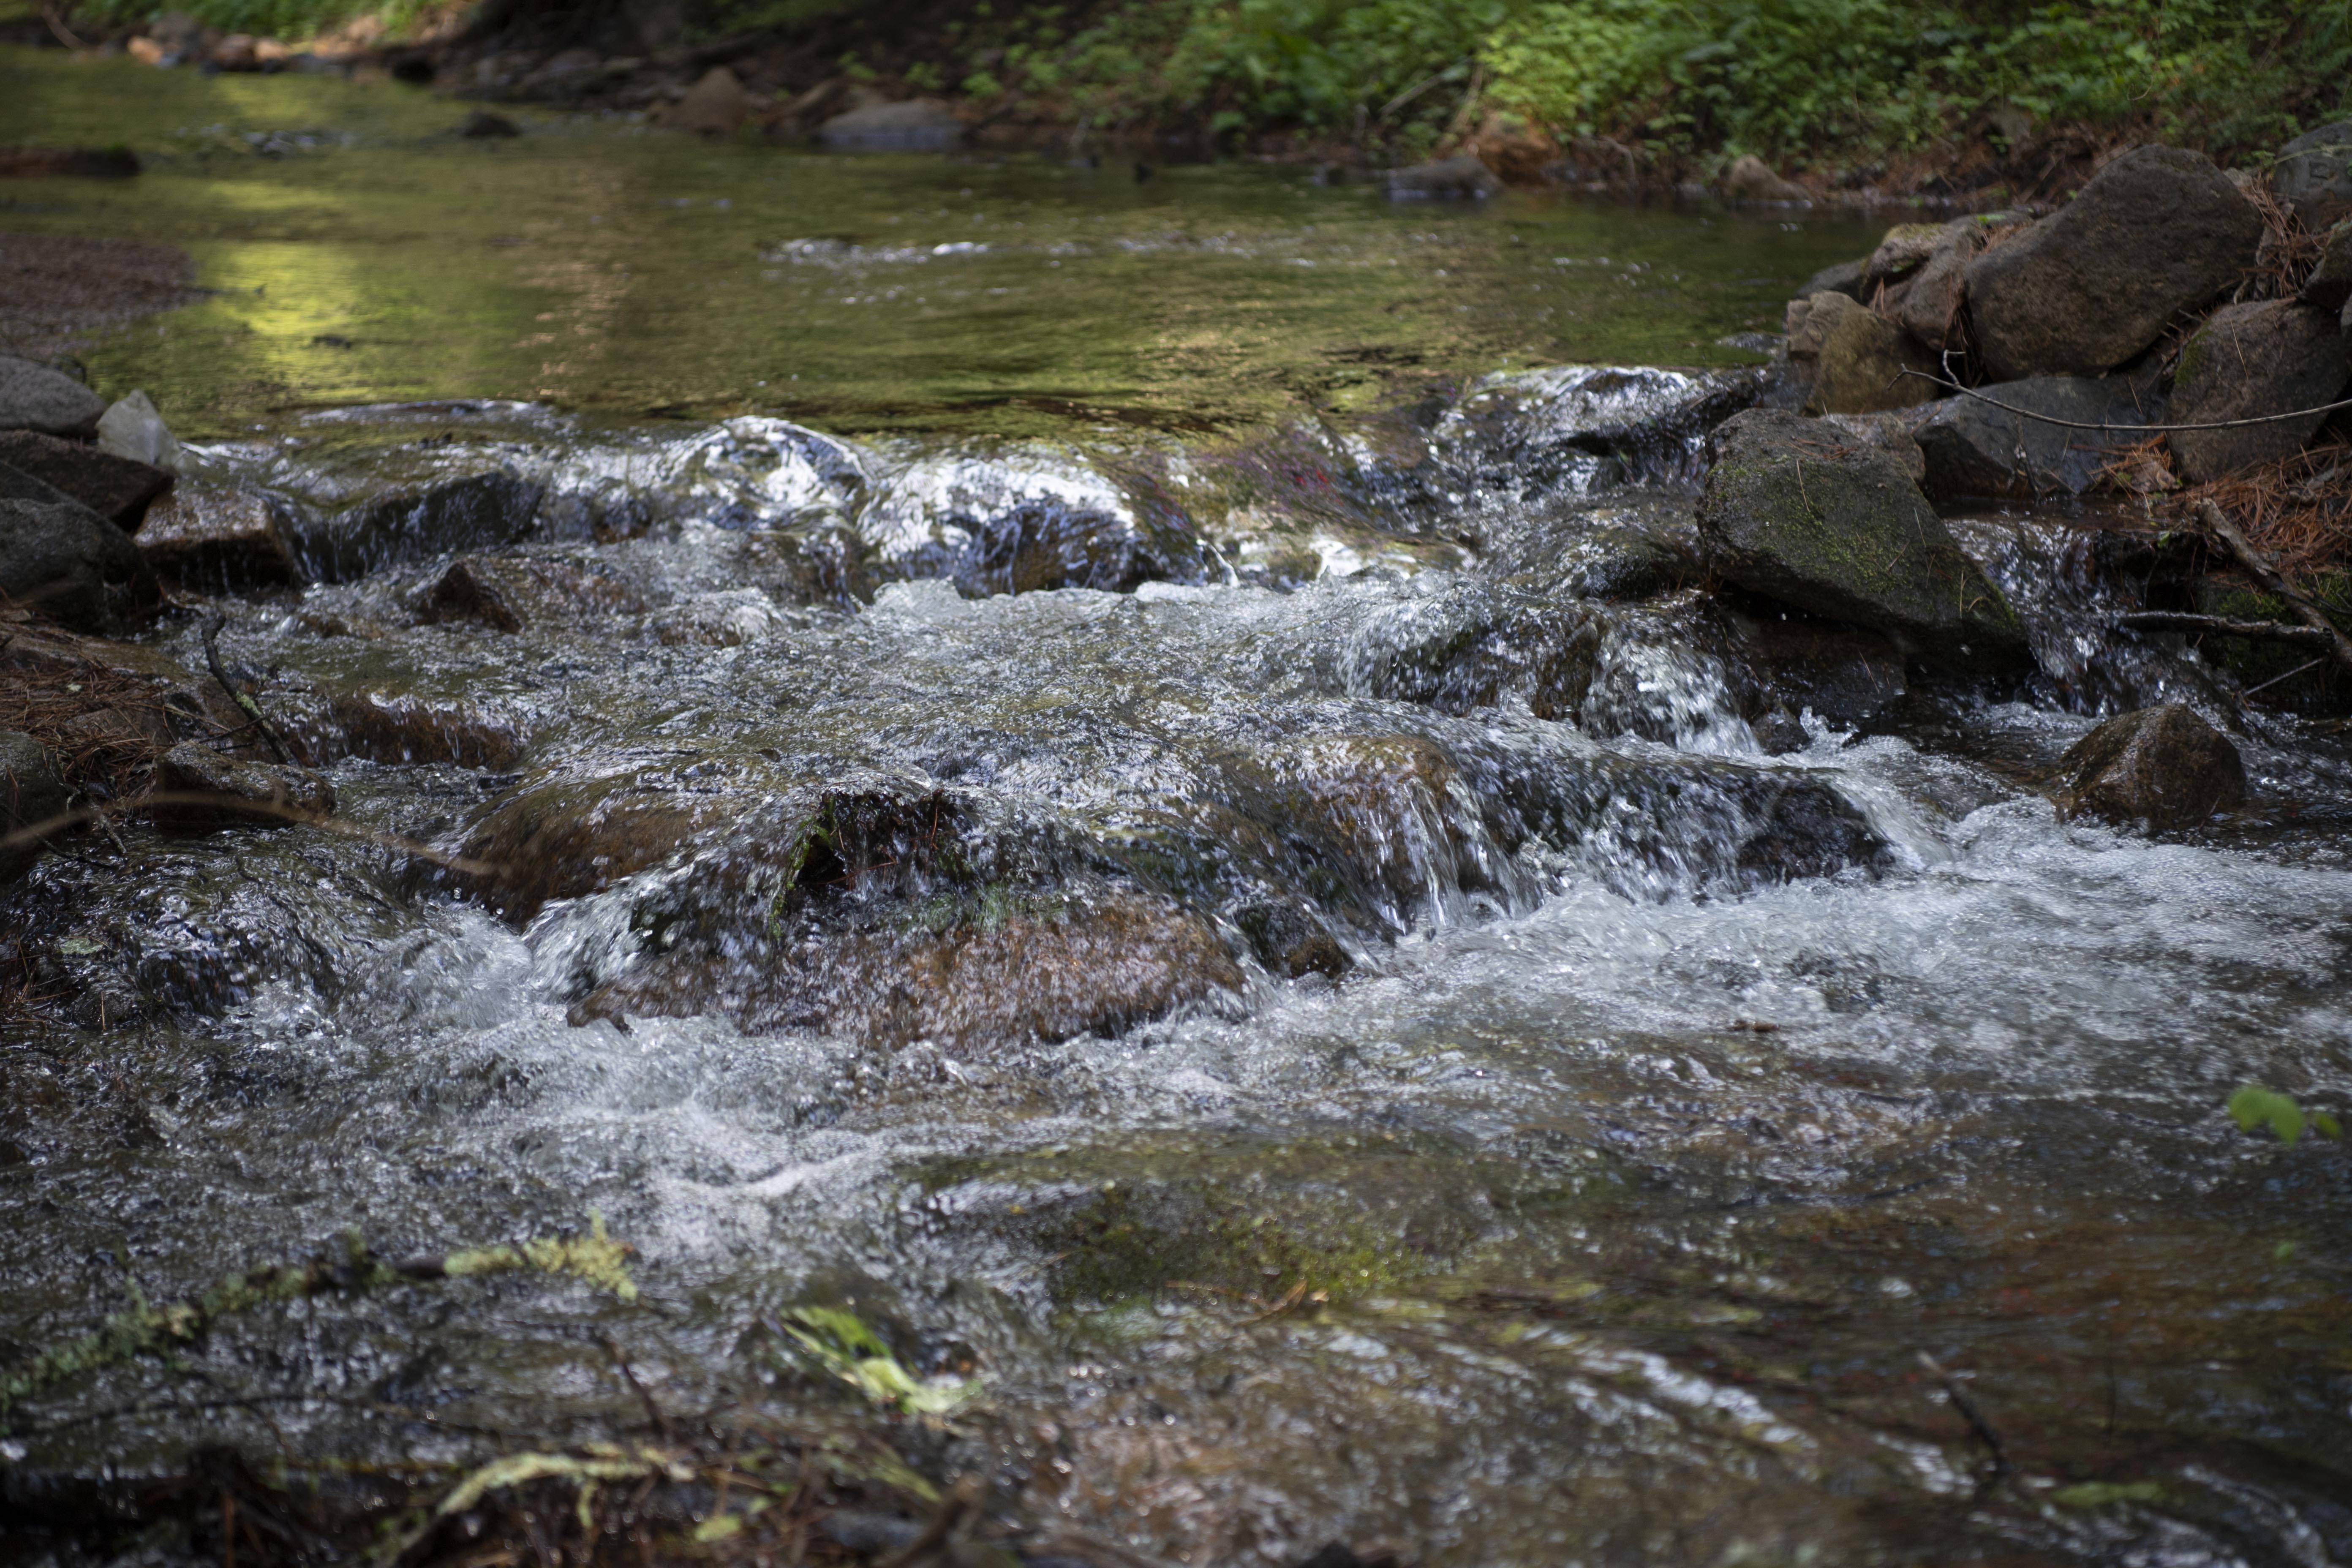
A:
[(1133, 781)]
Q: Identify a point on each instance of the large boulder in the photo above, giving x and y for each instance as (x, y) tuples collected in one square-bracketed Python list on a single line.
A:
[(1854, 358), (2158, 232), (30, 794), (1455, 177), (1976, 450), (1797, 511), (2312, 177), (2162, 766), (1844, 277), (117, 488), (65, 562), (919, 125), (35, 397), (2270, 356)]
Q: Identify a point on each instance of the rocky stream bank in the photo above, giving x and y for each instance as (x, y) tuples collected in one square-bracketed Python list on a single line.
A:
[(946, 763)]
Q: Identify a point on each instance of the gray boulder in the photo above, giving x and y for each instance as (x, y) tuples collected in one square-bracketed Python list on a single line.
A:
[(2270, 356), (1799, 511), (2312, 177), (1455, 178), (1854, 358), (2329, 287), (2158, 232), (1976, 450), (2162, 766), (30, 794), (117, 488), (63, 560), (35, 397), (919, 125), (133, 429)]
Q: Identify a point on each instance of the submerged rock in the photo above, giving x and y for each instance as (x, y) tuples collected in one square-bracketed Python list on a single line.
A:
[(30, 794), (517, 594), (919, 125), (1798, 512), (1974, 449), (484, 125), (1457, 178), (474, 511), (2272, 356), (117, 488), (1854, 359), (216, 790), (35, 397), (63, 560), (2313, 176), (2158, 232), (2163, 767)]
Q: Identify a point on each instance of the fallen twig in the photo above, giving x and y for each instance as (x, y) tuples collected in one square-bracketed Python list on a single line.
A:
[(1984, 1430), (2222, 627), (962, 1498), (251, 709), (2269, 577)]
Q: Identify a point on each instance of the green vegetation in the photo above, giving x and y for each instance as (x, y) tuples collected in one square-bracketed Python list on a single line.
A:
[(1803, 83), (2254, 1106)]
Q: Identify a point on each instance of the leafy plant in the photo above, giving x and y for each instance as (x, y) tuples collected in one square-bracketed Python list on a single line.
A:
[(840, 1343), (2254, 1106)]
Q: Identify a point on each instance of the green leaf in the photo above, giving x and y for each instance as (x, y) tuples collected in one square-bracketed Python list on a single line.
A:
[(2326, 1126), (2253, 1105)]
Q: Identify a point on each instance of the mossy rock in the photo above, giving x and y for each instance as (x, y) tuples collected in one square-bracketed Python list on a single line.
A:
[(1798, 510)]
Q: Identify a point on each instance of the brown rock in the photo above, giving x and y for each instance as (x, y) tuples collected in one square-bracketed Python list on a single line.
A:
[(2158, 232), (2272, 356), (1751, 179), (117, 488), (511, 594), (1855, 358), (2163, 767), (210, 536), (717, 105), (198, 790)]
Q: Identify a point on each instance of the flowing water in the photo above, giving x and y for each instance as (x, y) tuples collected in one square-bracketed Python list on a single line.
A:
[(1236, 902)]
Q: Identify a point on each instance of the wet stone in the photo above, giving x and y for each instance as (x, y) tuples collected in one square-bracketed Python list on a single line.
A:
[(472, 512), (2164, 768), (216, 537), (1459, 178), (515, 594), (218, 791)]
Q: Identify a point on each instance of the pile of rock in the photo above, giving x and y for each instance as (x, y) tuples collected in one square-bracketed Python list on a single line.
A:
[(77, 477), (2073, 318)]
